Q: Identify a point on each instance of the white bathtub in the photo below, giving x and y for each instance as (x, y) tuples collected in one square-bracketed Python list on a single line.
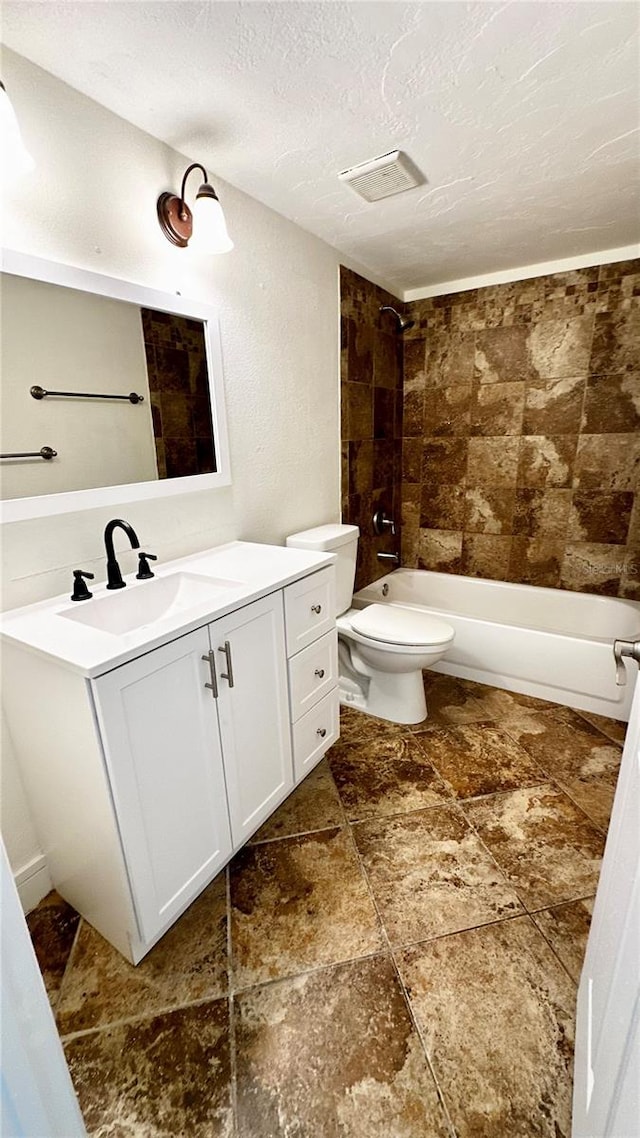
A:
[(543, 642)]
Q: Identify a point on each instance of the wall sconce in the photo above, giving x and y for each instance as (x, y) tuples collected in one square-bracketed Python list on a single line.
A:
[(178, 223), (16, 159)]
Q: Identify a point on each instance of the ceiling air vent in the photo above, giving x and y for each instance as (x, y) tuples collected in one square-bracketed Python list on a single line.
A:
[(382, 177)]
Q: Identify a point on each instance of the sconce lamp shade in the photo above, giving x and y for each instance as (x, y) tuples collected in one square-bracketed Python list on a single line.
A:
[(209, 226), (206, 224), (16, 159)]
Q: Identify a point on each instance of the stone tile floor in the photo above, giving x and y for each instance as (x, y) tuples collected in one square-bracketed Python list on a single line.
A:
[(394, 955)]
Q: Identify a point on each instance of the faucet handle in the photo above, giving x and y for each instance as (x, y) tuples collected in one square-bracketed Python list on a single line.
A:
[(144, 570), (630, 649), (383, 524), (80, 589)]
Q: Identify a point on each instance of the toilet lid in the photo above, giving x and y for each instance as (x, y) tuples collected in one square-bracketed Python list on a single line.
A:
[(396, 625)]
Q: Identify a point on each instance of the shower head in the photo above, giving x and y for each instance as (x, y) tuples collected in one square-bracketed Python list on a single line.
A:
[(402, 322)]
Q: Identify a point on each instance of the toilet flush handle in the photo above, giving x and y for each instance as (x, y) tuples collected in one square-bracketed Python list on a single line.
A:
[(630, 649)]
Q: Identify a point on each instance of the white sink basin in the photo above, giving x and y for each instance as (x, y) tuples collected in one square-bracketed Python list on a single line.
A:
[(132, 608), (115, 626)]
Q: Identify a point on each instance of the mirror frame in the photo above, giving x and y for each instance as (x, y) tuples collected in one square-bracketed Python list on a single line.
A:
[(48, 505)]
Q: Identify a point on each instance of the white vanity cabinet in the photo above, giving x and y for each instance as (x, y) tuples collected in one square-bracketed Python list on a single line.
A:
[(312, 648), (196, 740), (248, 649), (149, 762), (161, 743)]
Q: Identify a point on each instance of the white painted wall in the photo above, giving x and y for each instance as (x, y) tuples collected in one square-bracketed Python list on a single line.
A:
[(67, 340), (92, 203)]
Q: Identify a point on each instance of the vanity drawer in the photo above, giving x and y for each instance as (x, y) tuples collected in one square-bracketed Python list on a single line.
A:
[(314, 734), (309, 609), (313, 673)]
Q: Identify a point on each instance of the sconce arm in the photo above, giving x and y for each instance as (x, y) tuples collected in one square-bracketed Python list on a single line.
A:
[(193, 166)]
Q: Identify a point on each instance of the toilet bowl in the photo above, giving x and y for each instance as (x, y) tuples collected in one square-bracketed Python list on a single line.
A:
[(382, 649)]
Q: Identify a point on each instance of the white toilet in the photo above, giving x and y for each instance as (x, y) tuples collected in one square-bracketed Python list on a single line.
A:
[(382, 648)]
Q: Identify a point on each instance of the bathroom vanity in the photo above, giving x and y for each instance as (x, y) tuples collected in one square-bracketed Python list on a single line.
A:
[(159, 726)]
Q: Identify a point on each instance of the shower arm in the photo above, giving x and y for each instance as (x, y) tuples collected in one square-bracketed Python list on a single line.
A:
[(403, 322)]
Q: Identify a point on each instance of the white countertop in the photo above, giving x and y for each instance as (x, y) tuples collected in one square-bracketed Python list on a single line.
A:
[(45, 627)]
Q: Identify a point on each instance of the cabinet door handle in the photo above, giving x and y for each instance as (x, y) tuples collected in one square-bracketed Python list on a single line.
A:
[(213, 686), (321, 732), (319, 672), (228, 675), (316, 609)]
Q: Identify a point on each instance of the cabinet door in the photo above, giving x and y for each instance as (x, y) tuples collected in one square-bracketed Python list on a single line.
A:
[(253, 713), (162, 747)]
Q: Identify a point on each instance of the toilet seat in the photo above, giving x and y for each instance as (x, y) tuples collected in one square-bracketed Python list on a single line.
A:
[(404, 628), (383, 649)]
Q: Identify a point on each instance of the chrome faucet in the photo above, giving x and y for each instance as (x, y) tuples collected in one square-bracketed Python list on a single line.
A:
[(392, 558), (383, 524), (114, 576)]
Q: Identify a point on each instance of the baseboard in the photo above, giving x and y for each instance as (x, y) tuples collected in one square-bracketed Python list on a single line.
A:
[(33, 882)]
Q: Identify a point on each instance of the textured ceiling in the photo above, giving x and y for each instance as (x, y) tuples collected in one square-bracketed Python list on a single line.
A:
[(523, 116)]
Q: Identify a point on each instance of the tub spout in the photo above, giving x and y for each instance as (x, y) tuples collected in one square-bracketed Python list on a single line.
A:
[(630, 649), (392, 558)]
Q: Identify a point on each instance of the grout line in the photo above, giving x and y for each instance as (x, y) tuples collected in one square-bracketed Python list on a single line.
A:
[(584, 715), (141, 1018), (341, 807), (232, 1015), (459, 803), (446, 804), (552, 949), (517, 916), (297, 834), (562, 787), (458, 932), (559, 904), (412, 1017), (341, 826), (347, 825), (597, 825), (574, 486), (66, 970), (414, 1020), (531, 915), (516, 889), (495, 861), (313, 971)]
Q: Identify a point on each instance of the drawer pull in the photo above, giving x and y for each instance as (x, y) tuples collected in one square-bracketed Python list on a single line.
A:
[(228, 675), (321, 732), (213, 686), (319, 672), (316, 609)]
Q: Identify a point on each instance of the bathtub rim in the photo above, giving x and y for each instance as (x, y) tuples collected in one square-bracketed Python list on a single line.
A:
[(359, 601), (556, 689)]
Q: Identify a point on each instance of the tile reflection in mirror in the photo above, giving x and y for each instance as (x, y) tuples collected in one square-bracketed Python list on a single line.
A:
[(66, 339)]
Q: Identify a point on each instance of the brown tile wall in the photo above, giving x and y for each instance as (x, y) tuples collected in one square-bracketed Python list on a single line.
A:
[(371, 401), (521, 435), (177, 370)]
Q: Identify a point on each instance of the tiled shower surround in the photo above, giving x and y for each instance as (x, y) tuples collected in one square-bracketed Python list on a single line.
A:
[(521, 431), (371, 402)]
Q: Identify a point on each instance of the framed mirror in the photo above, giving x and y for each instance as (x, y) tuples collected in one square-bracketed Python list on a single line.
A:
[(109, 392)]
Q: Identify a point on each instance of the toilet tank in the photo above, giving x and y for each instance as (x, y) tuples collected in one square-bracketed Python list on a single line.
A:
[(338, 539)]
